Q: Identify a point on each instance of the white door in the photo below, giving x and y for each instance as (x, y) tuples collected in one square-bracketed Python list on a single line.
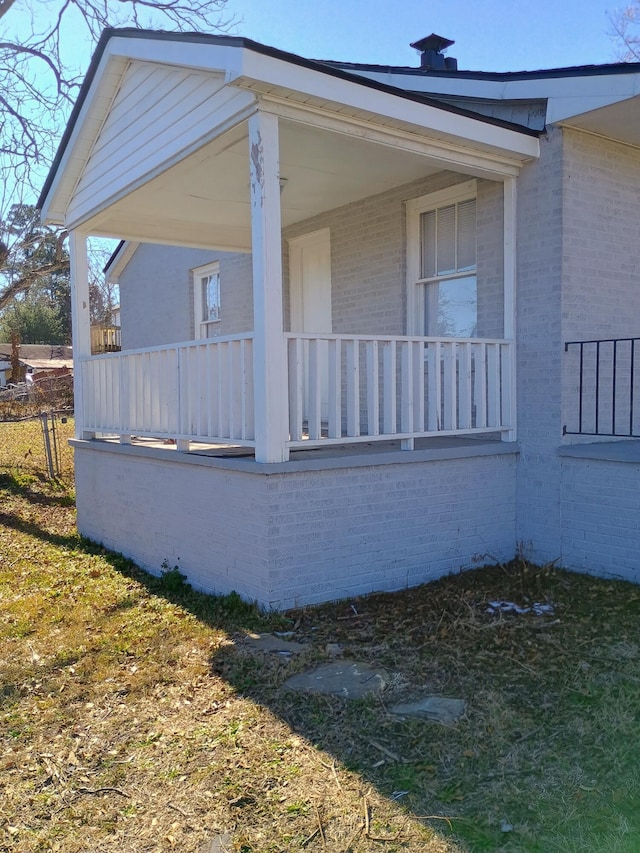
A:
[(310, 295)]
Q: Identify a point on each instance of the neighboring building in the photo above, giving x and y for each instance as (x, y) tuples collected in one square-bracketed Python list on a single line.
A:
[(372, 308), (37, 361), (5, 371)]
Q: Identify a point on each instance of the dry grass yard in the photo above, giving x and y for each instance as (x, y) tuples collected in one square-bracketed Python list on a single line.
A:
[(132, 719)]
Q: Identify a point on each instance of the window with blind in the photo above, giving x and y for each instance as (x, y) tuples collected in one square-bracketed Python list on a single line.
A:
[(444, 238)]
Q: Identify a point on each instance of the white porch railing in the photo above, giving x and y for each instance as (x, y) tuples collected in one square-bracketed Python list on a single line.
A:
[(358, 388), (342, 388), (198, 391)]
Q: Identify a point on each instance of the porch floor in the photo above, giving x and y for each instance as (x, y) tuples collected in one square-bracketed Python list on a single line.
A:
[(357, 454)]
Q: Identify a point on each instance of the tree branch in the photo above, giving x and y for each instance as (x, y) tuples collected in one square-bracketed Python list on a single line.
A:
[(5, 5), (31, 276)]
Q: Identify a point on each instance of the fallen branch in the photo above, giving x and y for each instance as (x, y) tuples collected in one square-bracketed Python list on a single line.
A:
[(324, 841), (365, 809), (437, 817), (387, 752), (332, 767), (106, 790), (178, 809)]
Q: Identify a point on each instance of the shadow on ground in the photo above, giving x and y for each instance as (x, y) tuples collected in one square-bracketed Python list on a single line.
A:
[(545, 759)]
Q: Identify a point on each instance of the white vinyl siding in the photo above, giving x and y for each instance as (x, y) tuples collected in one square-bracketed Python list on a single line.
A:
[(157, 112)]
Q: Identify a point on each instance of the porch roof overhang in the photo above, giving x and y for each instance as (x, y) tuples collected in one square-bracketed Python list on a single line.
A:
[(601, 99), (617, 121), (157, 147)]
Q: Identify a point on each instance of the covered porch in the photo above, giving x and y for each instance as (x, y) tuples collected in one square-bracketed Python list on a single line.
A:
[(266, 142), (359, 412)]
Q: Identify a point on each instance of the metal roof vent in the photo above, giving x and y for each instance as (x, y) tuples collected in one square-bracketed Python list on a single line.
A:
[(431, 58)]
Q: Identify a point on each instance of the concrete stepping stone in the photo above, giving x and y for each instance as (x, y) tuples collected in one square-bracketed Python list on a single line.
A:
[(347, 678), (220, 844), (437, 709)]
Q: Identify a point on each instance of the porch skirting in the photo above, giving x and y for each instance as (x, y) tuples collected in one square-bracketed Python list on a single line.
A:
[(305, 531), (600, 508)]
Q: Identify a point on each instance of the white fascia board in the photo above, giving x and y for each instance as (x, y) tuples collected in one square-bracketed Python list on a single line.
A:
[(442, 123), (567, 95), (120, 261), (437, 85), (195, 55)]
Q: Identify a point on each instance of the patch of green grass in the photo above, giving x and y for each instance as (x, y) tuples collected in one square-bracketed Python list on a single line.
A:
[(132, 719)]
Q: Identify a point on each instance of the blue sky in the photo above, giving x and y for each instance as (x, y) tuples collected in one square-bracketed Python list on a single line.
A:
[(490, 35)]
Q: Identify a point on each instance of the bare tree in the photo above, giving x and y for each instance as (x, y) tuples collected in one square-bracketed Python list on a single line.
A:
[(29, 253), (625, 32), (38, 86)]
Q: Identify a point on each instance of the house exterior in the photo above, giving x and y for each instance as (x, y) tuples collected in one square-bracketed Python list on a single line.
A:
[(5, 370), (362, 304), (37, 361)]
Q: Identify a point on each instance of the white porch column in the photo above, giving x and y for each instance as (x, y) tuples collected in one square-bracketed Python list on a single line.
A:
[(269, 354), (80, 321), (509, 389)]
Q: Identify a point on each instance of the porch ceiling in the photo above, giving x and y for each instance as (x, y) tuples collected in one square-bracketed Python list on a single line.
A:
[(204, 200)]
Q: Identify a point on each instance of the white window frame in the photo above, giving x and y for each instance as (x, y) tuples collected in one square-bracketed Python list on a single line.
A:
[(202, 326), (414, 209)]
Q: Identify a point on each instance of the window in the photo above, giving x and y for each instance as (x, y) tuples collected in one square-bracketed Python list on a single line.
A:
[(441, 263), (206, 287)]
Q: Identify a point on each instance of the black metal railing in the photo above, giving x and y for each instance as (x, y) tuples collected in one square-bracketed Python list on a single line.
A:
[(604, 376)]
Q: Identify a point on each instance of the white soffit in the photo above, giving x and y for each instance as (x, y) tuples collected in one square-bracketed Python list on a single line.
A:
[(205, 200), (620, 121)]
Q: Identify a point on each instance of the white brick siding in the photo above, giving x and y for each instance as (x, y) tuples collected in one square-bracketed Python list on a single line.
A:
[(368, 257), (601, 238), (600, 517), (287, 539), (367, 272), (538, 337), (308, 535), (156, 295)]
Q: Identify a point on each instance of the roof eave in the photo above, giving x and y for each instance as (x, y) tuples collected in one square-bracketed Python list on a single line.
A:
[(127, 44)]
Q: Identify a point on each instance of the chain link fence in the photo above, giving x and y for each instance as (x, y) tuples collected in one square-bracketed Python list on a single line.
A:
[(38, 445)]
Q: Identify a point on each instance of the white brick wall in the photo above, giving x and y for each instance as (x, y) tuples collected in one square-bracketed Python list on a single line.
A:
[(600, 517), (577, 269), (156, 295), (354, 531), (210, 523), (300, 537), (578, 262), (368, 257), (601, 263), (367, 271), (539, 351), (601, 238)]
